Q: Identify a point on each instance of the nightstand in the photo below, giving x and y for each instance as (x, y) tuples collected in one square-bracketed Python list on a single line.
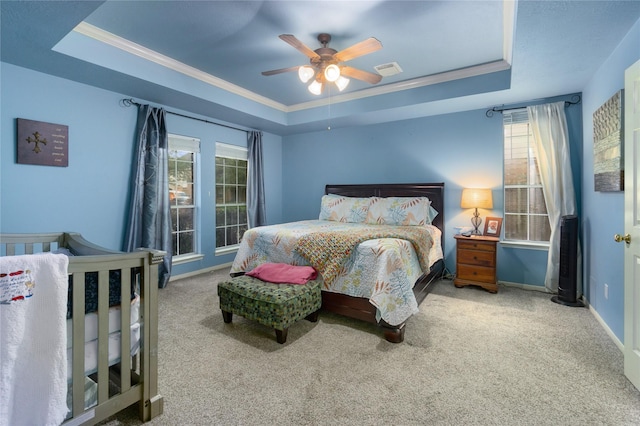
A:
[(476, 262)]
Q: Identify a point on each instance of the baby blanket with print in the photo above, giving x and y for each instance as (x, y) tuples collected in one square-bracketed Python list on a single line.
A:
[(33, 339)]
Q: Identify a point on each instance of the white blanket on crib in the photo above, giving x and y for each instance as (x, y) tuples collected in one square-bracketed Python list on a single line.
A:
[(33, 337)]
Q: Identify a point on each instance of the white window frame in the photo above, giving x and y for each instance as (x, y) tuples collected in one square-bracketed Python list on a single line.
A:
[(236, 152), (520, 116), (190, 144)]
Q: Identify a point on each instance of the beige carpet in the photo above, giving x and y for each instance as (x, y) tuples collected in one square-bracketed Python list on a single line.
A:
[(469, 357)]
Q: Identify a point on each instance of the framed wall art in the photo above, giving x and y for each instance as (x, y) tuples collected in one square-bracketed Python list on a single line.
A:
[(40, 143), (608, 153)]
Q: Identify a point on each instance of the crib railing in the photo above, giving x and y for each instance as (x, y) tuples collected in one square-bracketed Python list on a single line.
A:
[(133, 378)]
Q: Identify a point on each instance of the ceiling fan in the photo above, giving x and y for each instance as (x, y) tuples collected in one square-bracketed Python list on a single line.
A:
[(326, 63)]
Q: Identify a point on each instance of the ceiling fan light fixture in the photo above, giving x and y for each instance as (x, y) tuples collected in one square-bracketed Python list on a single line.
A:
[(326, 63), (315, 87), (332, 73), (305, 73), (342, 83)]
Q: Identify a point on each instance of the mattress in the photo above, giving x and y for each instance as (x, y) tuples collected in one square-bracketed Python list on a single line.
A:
[(91, 337)]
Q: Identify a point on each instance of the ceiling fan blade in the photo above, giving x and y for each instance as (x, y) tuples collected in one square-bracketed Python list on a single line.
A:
[(292, 40), (363, 48), (367, 76), (281, 70)]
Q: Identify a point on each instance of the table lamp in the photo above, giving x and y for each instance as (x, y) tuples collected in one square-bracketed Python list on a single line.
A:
[(476, 198)]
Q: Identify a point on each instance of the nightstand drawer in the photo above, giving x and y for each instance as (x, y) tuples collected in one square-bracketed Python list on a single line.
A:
[(476, 273), (476, 245), (477, 257)]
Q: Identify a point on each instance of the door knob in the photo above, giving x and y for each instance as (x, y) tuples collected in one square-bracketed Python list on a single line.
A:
[(619, 238)]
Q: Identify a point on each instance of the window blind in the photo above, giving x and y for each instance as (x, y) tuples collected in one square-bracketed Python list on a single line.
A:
[(231, 151), (184, 143), (516, 116)]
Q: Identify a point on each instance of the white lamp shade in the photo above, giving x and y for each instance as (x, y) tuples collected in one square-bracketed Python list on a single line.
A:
[(332, 73), (305, 73), (315, 87), (342, 83), (478, 198)]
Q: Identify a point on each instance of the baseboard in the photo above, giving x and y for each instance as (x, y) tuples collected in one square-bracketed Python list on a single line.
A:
[(200, 272), (528, 287), (604, 325)]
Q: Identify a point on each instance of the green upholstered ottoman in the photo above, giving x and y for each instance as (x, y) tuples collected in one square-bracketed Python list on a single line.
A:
[(273, 305)]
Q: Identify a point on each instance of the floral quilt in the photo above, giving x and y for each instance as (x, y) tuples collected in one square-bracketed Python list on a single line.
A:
[(382, 270)]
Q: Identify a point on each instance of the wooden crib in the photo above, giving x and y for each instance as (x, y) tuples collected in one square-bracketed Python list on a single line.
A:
[(128, 378)]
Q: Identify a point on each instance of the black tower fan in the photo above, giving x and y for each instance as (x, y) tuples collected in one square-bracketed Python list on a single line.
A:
[(568, 280)]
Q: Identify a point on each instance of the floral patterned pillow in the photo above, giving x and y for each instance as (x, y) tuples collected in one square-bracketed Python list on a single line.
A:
[(344, 209), (407, 211)]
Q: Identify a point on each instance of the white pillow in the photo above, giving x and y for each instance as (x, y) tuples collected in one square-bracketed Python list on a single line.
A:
[(344, 209), (406, 211)]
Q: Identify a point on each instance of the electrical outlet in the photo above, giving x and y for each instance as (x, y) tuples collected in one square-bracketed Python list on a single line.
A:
[(606, 291)]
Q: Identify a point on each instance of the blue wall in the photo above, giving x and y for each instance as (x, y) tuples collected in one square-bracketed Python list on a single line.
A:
[(90, 196), (432, 149), (604, 211), (462, 149)]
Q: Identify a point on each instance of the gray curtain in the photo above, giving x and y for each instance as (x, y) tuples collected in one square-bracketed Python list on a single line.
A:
[(149, 222), (255, 185)]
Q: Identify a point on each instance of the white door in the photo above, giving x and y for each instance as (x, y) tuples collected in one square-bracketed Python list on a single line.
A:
[(632, 224)]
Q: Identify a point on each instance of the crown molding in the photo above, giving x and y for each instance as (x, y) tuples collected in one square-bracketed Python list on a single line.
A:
[(162, 60), (509, 13), (428, 80)]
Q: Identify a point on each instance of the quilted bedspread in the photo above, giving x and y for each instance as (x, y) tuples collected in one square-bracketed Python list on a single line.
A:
[(327, 251), (374, 265)]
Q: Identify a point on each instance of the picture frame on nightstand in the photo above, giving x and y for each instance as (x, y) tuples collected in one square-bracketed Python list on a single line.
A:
[(492, 226)]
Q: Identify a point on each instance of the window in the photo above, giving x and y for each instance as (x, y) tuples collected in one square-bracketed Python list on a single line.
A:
[(525, 211), (231, 195), (184, 153)]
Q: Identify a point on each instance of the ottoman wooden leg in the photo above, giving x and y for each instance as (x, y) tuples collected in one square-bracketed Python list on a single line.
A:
[(281, 335), (313, 317), (227, 316)]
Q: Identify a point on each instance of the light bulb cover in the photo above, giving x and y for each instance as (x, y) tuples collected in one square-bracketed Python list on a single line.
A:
[(305, 72), (332, 73), (342, 83), (315, 87)]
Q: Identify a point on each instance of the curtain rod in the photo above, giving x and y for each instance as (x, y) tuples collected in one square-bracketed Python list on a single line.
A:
[(575, 99), (129, 102)]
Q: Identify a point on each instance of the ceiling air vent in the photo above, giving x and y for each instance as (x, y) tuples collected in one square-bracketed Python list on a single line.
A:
[(386, 70)]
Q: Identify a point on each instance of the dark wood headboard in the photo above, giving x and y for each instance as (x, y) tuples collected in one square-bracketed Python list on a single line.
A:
[(434, 191)]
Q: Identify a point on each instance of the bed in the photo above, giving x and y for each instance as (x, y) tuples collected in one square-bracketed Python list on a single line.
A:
[(105, 375), (383, 280)]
